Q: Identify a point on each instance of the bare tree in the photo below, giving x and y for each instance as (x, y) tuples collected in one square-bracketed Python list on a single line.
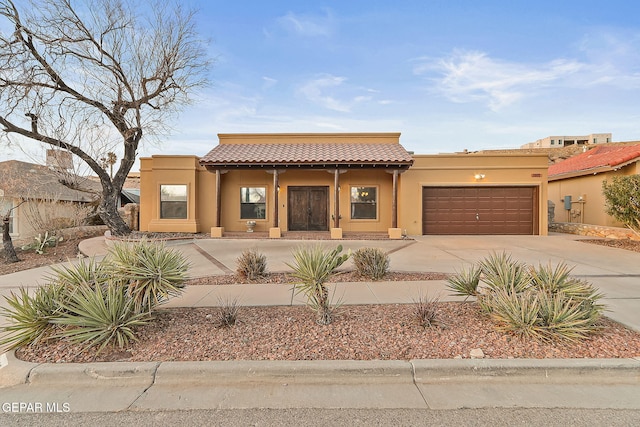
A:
[(93, 77)]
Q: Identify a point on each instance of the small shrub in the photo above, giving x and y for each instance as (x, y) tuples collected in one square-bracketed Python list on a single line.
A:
[(99, 316), (313, 266), (465, 282), (31, 317), (425, 311), (227, 313), (251, 265), (152, 272), (371, 262)]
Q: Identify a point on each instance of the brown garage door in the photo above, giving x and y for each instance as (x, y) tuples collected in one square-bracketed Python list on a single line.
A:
[(479, 210)]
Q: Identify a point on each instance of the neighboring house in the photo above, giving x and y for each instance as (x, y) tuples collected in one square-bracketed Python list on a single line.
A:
[(556, 141), (351, 182), (575, 184), (43, 189)]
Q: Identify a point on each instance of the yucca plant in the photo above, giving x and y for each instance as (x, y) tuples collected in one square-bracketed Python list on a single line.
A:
[(371, 262), (96, 316), (313, 266), (251, 265), (500, 271), (31, 317), (465, 282), (562, 317), (84, 272), (153, 273), (515, 312)]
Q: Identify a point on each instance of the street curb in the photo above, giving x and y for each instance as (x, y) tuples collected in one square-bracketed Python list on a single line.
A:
[(566, 371), (240, 372)]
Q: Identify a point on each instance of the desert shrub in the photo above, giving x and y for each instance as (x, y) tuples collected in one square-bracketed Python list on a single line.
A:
[(465, 282), (371, 262), (153, 273), (226, 314), (98, 316), (545, 303), (622, 200), (425, 311), (313, 266), (30, 317), (251, 265)]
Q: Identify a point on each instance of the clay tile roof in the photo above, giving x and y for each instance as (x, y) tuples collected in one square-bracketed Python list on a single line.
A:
[(307, 154), (602, 156)]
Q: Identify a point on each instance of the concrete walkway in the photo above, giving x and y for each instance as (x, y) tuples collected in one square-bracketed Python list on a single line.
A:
[(440, 384)]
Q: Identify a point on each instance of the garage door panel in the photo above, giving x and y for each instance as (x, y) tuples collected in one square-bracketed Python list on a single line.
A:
[(479, 210)]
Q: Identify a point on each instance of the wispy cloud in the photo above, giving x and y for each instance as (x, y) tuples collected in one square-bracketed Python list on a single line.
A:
[(467, 76), (308, 25), (330, 92)]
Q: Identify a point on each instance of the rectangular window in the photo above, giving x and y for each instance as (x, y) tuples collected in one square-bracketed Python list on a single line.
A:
[(253, 203), (364, 203), (173, 201)]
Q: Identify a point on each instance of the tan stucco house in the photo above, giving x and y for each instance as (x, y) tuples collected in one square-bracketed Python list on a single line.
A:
[(41, 194), (341, 182), (575, 184)]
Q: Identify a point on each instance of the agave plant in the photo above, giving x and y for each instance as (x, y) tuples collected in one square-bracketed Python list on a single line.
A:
[(31, 317), (98, 316), (153, 273), (313, 266)]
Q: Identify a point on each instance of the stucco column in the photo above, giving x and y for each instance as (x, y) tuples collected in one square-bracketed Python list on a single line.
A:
[(275, 198), (336, 199), (218, 198), (394, 201)]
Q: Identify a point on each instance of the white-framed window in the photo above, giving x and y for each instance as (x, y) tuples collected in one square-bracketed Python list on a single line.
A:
[(5, 205), (253, 203), (364, 202), (173, 201)]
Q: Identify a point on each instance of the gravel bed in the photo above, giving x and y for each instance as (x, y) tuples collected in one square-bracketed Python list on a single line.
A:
[(363, 332)]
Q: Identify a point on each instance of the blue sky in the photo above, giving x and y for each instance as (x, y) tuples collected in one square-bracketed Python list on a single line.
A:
[(449, 75)]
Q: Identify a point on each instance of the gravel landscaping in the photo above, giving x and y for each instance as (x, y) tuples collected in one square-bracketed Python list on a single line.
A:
[(359, 332)]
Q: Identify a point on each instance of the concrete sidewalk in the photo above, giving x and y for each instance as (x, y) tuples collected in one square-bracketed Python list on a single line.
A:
[(436, 384)]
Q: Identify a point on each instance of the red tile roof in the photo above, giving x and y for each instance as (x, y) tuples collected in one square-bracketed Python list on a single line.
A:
[(602, 156), (307, 154)]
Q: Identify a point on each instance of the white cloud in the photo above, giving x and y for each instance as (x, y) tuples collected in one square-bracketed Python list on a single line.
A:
[(308, 25), (325, 91), (467, 76)]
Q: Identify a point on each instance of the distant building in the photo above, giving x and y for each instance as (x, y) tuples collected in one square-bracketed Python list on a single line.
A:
[(556, 141)]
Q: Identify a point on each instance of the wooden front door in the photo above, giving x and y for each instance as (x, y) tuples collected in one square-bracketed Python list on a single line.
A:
[(308, 208)]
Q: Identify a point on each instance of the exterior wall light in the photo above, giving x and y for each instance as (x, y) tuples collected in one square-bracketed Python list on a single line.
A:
[(479, 176)]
